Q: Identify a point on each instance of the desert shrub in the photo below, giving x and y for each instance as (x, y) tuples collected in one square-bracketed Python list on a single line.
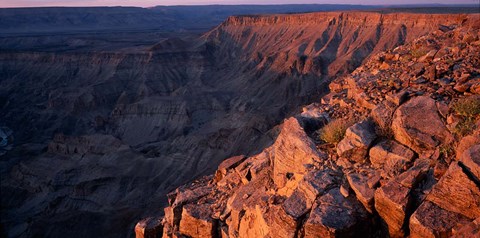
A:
[(464, 127), (467, 107), (447, 150), (417, 53), (334, 131)]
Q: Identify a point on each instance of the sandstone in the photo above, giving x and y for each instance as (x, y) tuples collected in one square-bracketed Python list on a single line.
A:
[(358, 139), (382, 114), (394, 201), (465, 143), (431, 221), (197, 221), (418, 125), (293, 149), (456, 192), (226, 165), (336, 216), (149, 228), (280, 223), (398, 98), (415, 174), (315, 183), (365, 194), (471, 229), (470, 159), (391, 156)]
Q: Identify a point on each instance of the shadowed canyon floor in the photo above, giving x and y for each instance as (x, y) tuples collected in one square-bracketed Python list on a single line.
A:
[(94, 139)]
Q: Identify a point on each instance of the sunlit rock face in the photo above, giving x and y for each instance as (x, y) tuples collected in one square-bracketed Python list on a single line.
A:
[(101, 137)]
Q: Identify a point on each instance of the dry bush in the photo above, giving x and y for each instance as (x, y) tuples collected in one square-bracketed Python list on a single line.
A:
[(467, 107), (334, 131)]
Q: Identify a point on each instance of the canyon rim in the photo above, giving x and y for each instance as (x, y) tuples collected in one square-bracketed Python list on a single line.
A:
[(288, 121)]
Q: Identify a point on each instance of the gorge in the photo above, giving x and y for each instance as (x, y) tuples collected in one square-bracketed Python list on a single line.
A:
[(99, 138)]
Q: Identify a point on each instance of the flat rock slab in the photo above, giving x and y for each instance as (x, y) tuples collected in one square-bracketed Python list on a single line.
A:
[(391, 203), (430, 221), (456, 192), (417, 124), (471, 229)]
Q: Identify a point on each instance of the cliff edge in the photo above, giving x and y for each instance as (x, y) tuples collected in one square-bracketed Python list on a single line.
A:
[(392, 150)]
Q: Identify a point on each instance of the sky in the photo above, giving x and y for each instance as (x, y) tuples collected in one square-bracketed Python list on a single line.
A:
[(149, 3)]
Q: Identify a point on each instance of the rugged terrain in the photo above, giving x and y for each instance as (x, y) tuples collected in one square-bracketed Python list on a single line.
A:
[(408, 163), (96, 139)]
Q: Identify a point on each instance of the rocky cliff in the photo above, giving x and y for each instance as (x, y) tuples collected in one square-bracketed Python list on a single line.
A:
[(406, 163), (172, 113)]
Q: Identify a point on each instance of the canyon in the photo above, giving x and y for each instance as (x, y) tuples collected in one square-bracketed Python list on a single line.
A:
[(94, 140)]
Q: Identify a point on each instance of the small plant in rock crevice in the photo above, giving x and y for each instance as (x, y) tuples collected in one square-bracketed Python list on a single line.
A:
[(469, 109), (334, 131)]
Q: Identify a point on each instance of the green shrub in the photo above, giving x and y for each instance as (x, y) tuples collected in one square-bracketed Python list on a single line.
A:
[(334, 131)]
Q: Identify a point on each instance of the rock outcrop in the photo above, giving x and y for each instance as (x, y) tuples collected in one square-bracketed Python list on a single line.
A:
[(403, 170)]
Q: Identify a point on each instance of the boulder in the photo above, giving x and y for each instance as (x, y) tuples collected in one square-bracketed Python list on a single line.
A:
[(315, 183), (293, 150), (149, 228), (456, 192), (358, 139), (471, 229), (391, 156), (418, 125), (333, 215), (471, 161), (430, 221), (280, 223), (393, 201), (244, 201), (365, 194), (465, 143), (197, 221)]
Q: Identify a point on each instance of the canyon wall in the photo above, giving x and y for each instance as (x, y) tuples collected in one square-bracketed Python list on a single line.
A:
[(406, 165), (168, 114)]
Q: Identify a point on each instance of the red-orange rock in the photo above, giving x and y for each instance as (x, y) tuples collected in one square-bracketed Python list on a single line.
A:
[(336, 216), (390, 156), (431, 221), (293, 150), (456, 192), (149, 228), (358, 139), (418, 125), (197, 221), (469, 230)]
